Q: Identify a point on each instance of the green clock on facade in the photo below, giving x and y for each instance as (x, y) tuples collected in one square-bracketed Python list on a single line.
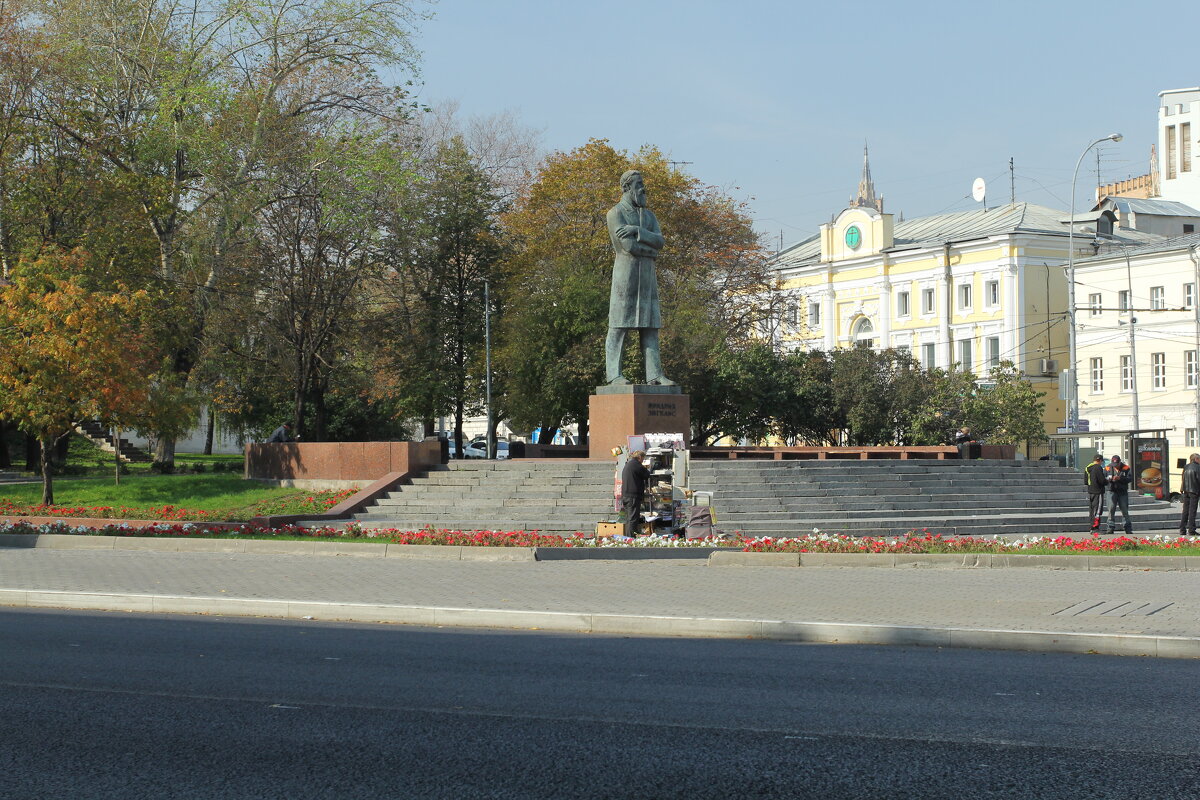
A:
[(853, 237)]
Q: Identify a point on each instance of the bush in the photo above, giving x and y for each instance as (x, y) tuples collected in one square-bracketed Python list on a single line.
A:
[(160, 468)]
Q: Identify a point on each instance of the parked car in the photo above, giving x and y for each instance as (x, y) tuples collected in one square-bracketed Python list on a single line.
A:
[(478, 449)]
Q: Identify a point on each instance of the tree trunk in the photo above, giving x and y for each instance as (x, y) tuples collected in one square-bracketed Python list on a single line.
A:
[(320, 417), (429, 427), (62, 448), (164, 452), (209, 430), (33, 454), (5, 458), (47, 472), (458, 428)]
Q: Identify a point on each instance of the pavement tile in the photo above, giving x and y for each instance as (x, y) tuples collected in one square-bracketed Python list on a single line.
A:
[(1019, 600)]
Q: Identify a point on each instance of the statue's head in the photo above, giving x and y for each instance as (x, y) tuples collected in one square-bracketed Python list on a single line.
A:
[(633, 188)]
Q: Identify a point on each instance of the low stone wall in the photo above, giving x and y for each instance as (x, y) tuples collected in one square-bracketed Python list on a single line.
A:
[(338, 461)]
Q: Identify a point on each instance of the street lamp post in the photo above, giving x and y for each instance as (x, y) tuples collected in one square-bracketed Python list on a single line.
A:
[(1073, 378), (487, 350)]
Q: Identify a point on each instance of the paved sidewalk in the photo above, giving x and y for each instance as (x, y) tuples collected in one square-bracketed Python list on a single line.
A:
[(1124, 612)]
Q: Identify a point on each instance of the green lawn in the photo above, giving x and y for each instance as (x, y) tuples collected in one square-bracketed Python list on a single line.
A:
[(223, 496)]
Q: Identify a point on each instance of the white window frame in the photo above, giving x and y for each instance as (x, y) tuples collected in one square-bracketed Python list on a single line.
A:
[(1096, 370), (1158, 298), (964, 297), (966, 354), (928, 302), (814, 314), (1189, 295), (1126, 374), (992, 351), (1158, 371), (1095, 304), (903, 304), (1123, 300), (991, 294), (928, 355), (1189, 369), (1189, 437)]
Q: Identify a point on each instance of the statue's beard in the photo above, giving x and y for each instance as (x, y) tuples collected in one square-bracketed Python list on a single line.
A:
[(638, 200)]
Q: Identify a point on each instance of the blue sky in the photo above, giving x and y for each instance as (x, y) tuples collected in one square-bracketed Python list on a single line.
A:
[(772, 100)]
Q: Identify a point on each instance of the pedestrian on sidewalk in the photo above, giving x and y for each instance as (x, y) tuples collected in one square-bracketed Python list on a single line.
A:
[(1191, 495), (1095, 478), (1119, 478), (634, 479)]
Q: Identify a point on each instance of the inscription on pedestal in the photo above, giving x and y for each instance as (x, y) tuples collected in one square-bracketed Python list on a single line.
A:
[(613, 418)]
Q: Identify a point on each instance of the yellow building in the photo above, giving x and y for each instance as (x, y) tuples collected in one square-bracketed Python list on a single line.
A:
[(965, 290)]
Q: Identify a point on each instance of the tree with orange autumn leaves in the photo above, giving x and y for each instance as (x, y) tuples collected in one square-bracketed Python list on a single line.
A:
[(69, 351)]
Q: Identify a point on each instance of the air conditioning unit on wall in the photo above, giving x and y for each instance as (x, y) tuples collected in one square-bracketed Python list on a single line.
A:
[(1049, 367)]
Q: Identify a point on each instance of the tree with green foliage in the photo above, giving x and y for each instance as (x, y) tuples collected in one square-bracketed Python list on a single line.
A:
[(444, 247), (180, 107), (1006, 408)]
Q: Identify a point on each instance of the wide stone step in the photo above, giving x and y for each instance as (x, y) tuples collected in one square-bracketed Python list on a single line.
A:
[(1035, 529), (484, 524)]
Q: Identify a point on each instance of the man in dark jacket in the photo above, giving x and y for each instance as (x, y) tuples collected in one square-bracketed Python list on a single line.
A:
[(1191, 495), (1119, 478), (281, 435), (634, 479), (1095, 479)]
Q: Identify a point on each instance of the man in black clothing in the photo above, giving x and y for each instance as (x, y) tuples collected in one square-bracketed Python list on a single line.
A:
[(634, 479), (1095, 479), (281, 434), (1191, 495)]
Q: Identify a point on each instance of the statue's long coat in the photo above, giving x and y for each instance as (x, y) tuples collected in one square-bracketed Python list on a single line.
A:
[(633, 302)]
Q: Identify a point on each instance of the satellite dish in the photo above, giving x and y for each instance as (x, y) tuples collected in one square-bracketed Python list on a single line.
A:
[(979, 190)]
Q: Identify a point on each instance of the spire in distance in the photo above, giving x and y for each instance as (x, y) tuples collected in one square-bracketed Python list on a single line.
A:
[(866, 187)]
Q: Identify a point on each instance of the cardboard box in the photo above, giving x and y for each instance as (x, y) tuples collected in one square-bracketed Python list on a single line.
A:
[(604, 529)]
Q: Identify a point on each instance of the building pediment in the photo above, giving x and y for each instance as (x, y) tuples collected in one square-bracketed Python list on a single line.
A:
[(856, 233)]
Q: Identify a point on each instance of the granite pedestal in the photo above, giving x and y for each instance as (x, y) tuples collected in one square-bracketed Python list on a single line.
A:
[(618, 412)]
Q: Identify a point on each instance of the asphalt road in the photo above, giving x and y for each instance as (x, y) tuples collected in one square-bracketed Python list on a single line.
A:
[(96, 705)]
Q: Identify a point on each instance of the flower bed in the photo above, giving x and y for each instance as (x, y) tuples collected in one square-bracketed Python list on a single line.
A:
[(914, 542), (926, 542)]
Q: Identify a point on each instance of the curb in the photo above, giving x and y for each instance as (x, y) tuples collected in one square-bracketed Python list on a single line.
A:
[(716, 557), (316, 547), (624, 624), (1083, 563)]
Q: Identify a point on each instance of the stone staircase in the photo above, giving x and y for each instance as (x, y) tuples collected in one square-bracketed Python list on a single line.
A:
[(104, 440), (514, 495), (769, 498), (892, 497)]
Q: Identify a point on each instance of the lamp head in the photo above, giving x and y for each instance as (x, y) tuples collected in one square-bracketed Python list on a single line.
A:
[(1116, 137)]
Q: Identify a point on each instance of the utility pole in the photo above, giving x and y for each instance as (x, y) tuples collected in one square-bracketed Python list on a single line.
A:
[(487, 350)]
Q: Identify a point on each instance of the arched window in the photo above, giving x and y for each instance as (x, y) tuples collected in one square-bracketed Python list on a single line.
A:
[(864, 333)]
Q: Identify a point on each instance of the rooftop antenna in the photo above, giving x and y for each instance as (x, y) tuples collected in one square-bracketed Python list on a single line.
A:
[(676, 164), (1012, 182), (979, 192)]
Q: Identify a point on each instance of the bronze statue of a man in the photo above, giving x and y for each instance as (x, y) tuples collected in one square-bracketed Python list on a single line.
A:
[(633, 302)]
